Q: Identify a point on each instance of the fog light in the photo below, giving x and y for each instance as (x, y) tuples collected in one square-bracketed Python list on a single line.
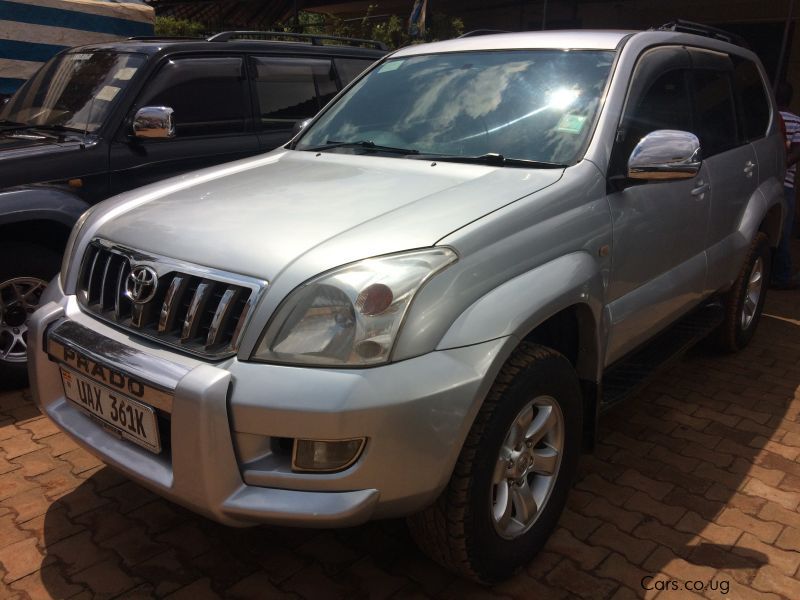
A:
[(326, 455)]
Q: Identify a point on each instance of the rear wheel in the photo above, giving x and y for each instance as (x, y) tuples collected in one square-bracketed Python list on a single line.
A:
[(24, 274), (513, 474), (745, 300)]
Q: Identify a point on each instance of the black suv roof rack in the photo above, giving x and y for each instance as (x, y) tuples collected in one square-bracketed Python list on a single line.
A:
[(316, 40), (478, 32), (684, 26), (148, 38)]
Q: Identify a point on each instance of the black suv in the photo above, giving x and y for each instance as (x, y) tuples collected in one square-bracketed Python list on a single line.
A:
[(102, 119)]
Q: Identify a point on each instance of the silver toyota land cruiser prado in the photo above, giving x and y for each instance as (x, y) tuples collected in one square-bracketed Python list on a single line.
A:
[(421, 304)]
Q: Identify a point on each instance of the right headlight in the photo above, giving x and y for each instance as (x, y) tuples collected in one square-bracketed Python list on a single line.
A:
[(349, 316)]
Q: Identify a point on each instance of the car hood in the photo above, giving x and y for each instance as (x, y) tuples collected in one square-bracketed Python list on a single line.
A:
[(258, 216), (18, 144)]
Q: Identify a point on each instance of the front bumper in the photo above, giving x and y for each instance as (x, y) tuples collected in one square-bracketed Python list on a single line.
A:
[(415, 415)]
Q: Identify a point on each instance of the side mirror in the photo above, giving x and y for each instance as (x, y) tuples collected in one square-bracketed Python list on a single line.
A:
[(665, 154), (299, 126), (154, 122)]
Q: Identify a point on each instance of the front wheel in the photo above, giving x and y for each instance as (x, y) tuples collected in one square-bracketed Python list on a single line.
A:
[(514, 472), (23, 277), (745, 300)]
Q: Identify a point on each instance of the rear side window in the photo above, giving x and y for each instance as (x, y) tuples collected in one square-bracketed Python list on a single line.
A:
[(291, 89), (753, 97), (350, 68), (716, 113), (208, 95)]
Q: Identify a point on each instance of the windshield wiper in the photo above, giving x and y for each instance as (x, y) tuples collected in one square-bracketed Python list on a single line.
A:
[(6, 124), (59, 128), (369, 145), (491, 159)]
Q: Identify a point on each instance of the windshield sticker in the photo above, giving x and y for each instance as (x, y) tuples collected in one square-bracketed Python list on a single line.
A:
[(571, 124), (392, 65), (125, 74), (80, 56), (107, 93)]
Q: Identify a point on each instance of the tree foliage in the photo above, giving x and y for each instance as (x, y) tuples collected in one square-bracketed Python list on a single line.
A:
[(392, 30), (172, 27)]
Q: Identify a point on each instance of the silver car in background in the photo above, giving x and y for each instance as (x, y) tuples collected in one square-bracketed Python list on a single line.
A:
[(421, 304)]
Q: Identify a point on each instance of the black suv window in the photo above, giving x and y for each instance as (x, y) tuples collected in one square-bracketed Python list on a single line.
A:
[(350, 68), (716, 113), (291, 89), (755, 108), (208, 94)]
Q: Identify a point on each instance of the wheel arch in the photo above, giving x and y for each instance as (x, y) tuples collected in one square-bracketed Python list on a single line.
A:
[(557, 305), (771, 224)]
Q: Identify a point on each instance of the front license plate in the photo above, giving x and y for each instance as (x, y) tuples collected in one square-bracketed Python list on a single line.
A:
[(127, 417)]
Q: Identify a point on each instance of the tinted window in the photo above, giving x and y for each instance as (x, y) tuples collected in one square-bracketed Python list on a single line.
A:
[(716, 117), (666, 104), (350, 68), (208, 95), (755, 107), (291, 89), (74, 90)]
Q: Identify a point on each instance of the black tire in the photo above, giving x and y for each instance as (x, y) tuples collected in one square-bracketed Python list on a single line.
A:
[(458, 530), (733, 334), (23, 260)]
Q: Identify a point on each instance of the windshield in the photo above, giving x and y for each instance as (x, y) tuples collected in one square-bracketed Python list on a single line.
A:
[(536, 105), (73, 91)]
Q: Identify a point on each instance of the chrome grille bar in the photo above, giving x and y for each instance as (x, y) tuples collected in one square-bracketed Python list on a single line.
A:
[(92, 271), (104, 291), (119, 296), (177, 287), (199, 301), (222, 315)]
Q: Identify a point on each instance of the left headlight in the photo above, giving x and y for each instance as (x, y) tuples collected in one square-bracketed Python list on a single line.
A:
[(349, 316)]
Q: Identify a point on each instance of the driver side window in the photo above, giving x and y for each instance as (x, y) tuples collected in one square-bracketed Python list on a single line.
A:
[(659, 98)]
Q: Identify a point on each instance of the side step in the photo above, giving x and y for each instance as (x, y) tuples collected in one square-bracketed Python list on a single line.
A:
[(630, 374)]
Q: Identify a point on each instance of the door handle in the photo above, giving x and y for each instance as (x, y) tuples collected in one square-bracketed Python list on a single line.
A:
[(701, 189), (748, 168)]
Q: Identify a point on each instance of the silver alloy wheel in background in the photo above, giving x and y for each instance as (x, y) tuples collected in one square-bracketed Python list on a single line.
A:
[(527, 466), (752, 294), (19, 297)]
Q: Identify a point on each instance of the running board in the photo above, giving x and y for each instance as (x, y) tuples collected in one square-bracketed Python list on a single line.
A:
[(630, 374)]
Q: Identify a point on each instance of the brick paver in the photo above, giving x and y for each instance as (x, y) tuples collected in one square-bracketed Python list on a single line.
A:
[(697, 479)]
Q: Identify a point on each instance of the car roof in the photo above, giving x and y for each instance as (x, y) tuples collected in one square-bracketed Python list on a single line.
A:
[(155, 45), (583, 39), (580, 39)]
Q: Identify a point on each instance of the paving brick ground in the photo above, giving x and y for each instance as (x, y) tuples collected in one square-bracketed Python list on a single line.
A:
[(697, 479)]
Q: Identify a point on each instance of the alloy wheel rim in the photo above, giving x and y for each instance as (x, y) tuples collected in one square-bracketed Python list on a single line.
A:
[(527, 466), (19, 297), (752, 295)]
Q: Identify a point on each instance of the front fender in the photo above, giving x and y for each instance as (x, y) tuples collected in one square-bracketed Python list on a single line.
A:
[(517, 306), (40, 203)]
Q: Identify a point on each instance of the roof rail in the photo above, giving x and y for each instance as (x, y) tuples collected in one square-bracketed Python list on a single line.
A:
[(316, 40), (683, 26), (146, 38), (478, 32)]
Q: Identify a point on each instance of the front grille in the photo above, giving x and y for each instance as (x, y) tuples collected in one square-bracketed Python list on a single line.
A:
[(196, 309)]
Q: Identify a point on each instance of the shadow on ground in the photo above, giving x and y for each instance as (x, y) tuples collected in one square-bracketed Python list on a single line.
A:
[(691, 480)]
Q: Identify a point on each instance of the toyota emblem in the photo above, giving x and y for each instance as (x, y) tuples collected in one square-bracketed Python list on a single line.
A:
[(141, 284)]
